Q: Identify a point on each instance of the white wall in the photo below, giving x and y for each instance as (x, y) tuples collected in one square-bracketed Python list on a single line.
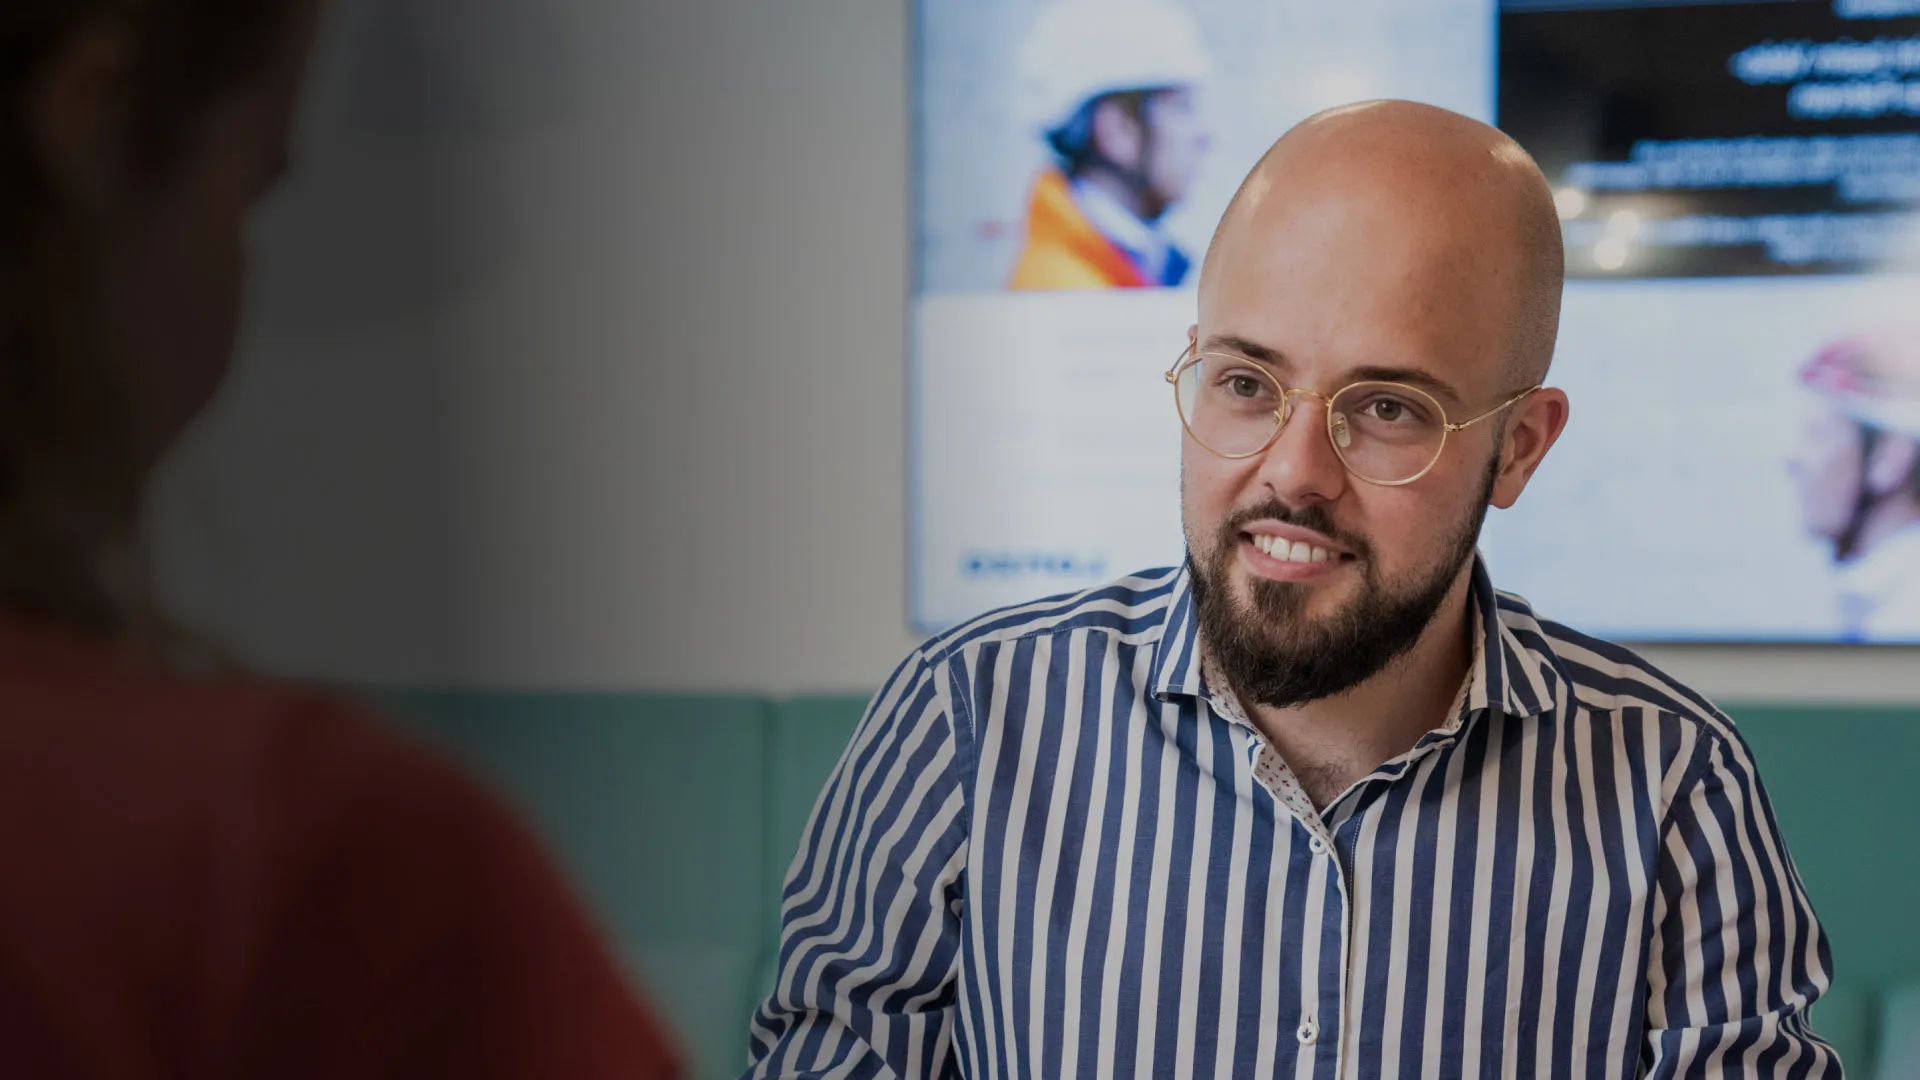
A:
[(577, 361)]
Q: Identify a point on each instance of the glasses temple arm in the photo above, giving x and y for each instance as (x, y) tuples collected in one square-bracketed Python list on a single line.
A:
[(1505, 404)]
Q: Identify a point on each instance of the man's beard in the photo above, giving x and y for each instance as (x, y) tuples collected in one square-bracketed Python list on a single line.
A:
[(1272, 656)]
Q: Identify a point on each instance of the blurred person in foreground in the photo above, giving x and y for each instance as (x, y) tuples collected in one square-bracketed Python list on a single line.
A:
[(207, 874), (1857, 467), (1112, 88), (1320, 802)]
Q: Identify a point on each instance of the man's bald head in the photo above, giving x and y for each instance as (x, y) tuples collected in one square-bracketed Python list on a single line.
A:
[(1460, 217)]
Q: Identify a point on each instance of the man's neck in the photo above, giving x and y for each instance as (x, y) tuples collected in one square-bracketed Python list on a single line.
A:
[(1117, 189), (1331, 743), (1890, 515)]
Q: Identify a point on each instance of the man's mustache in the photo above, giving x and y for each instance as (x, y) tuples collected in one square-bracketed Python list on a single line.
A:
[(1315, 517)]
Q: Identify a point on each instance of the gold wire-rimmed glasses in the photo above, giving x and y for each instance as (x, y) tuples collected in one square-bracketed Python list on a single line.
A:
[(1385, 433)]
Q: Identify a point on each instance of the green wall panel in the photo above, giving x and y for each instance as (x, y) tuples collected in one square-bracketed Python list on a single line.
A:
[(1843, 786), (656, 805), (679, 815)]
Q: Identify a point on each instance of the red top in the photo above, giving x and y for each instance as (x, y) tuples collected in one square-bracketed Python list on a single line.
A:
[(239, 879)]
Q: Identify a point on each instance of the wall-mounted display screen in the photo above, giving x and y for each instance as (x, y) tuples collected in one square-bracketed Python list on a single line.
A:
[(1739, 188)]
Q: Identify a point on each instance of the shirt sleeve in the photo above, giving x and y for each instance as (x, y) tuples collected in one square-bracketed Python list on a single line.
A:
[(872, 907), (1737, 956)]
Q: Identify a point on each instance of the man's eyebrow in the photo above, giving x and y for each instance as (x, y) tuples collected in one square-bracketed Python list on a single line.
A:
[(1433, 384), (1273, 358), (1252, 350)]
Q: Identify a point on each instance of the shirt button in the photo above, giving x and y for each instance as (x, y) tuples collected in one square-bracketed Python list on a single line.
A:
[(1309, 1032), (1317, 846)]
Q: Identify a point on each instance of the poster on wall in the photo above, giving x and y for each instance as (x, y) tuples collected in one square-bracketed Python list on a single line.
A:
[(1053, 288), (1738, 185)]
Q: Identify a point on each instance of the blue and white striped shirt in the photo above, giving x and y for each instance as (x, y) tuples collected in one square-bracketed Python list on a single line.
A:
[(1053, 850)]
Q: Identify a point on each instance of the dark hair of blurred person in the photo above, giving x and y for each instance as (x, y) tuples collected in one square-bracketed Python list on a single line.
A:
[(208, 874), (1856, 468)]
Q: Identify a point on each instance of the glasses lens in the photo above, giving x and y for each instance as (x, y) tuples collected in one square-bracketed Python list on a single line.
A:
[(1230, 405), (1384, 431)]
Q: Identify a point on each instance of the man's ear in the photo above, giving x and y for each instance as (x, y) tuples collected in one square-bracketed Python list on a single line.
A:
[(80, 115), (1891, 463), (1536, 425), (1118, 136)]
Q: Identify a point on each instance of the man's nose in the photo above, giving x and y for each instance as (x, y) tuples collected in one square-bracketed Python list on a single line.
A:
[(1301, 465)]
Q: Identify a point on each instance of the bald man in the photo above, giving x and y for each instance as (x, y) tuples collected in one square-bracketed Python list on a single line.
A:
[(1319, 803)]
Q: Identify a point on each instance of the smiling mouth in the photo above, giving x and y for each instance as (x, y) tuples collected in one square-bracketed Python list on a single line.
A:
[(1298, 551)]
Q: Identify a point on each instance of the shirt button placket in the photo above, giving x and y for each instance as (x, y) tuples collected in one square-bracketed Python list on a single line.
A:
[(1309, 1032)]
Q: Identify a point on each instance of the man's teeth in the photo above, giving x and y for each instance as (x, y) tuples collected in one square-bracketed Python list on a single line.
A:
[(1297, 551)]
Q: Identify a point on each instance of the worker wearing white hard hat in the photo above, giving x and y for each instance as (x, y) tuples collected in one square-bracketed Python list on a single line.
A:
[(1858, 472), (1110, 87)]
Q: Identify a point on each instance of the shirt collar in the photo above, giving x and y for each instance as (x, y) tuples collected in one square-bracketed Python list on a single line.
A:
[(1883, 568), (1144, 240), (1176, 655), (1512, 665), (1522, 678)]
